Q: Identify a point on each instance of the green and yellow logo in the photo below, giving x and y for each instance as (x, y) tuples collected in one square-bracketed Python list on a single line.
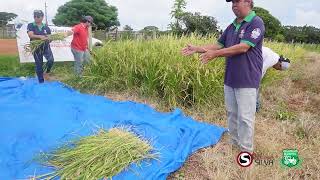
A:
[(291, 158)]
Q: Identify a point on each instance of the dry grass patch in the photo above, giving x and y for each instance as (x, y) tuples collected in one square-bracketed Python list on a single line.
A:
[(298, 128)]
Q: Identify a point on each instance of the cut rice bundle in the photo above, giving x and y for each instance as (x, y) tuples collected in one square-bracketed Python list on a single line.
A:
[(32, 46), (99, 156)]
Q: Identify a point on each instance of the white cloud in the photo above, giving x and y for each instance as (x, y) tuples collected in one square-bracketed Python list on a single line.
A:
[(140, 13), (304, 17), (219, 9), (24, 9)]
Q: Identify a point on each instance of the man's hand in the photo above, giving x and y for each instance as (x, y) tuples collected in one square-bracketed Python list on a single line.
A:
[(189, 50), (43, 38), (209, 55), (65, 34), (68, 33)]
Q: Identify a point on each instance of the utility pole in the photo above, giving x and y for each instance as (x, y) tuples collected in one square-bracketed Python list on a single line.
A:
[(45, 11), (90, 37)]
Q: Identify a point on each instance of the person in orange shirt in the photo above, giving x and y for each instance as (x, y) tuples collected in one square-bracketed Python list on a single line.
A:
[(79, 44)]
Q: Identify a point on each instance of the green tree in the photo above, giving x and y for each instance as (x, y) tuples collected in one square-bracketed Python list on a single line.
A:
[(150, 30), (177, 14), (5, 17), (294, 33), (273, 25), (196, 23), (127, 28), (313, 34), (302, 34), (104, 15), (128, 32)]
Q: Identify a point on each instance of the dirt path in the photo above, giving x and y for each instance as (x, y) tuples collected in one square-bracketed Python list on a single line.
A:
[(8, 47)]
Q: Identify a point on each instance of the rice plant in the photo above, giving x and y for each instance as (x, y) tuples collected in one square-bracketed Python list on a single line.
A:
[(100, 156), (157, 68), (32, 46)]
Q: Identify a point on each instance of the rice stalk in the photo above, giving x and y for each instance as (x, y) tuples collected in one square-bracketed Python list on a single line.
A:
[(156, 68), (100, 156), (32, 46)]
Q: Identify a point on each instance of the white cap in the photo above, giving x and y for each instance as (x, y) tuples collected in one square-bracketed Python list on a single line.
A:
[(285, 65)]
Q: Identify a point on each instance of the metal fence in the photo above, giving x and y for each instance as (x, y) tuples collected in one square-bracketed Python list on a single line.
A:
[(10, 33), (120, 35), (7, 33)]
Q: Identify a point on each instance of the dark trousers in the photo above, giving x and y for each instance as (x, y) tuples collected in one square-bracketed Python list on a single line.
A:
[(38, 57)]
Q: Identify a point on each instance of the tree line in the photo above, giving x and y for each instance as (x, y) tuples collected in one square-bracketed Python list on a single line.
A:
[(183, 22)]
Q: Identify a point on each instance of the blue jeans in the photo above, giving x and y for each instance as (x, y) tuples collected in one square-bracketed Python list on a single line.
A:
[(80, 58), (241, 108), (38, 58)]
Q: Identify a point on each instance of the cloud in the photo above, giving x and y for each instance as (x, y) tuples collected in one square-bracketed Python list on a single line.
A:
[(24, 9), (141, 13), (304, 17)]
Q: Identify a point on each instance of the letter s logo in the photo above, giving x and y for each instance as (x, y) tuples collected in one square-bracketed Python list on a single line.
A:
[(244, 159)]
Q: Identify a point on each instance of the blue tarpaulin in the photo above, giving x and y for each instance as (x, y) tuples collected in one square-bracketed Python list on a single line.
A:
[(39, 117)]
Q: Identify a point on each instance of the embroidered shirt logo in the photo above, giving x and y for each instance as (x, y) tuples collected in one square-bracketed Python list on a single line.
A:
[(241, 34), (256, 33)]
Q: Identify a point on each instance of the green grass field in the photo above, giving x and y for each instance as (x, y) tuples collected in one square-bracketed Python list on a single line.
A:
[(10, 66)]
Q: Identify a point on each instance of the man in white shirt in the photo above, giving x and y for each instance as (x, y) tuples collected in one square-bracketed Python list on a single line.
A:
[(271, 59)]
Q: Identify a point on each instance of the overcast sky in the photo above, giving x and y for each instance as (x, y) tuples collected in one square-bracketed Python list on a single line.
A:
[(141, 13)]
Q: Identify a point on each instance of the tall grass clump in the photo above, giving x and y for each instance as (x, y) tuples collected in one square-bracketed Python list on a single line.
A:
[(295, 52), (310, 47), (100, 156), (156, 68)]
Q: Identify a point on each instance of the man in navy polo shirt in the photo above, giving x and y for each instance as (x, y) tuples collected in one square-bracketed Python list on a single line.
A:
[(241, 44), (38, 30)]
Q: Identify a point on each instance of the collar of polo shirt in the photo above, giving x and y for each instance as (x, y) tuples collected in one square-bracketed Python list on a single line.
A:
[(248, 18), (40, 28)]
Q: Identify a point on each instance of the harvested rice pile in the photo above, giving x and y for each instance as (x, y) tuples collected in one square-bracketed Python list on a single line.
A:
[(99, 156)]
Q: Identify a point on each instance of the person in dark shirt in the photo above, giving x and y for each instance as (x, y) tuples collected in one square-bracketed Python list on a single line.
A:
[(38, 30), (241, 44)]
